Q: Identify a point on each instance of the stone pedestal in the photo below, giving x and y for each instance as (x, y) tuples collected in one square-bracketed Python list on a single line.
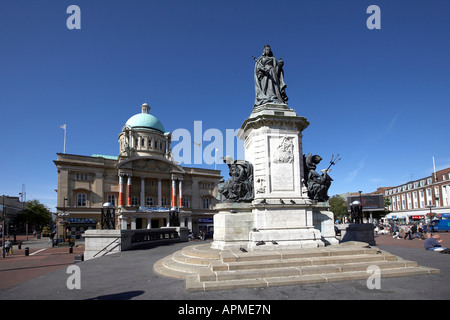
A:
[(265, 227), (232, 225), (285, 224), (281, 214), (324, 221), (272, 138), (363, 232)]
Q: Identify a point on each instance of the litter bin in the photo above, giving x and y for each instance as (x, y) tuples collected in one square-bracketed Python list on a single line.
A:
[(27, 251)]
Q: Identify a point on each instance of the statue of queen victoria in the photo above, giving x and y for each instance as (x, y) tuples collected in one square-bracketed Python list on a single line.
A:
[(269, 79)]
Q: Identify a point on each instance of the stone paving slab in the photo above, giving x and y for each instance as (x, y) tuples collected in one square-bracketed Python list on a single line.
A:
[(130, 275)]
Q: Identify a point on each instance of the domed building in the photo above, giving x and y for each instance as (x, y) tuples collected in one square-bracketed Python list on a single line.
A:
[(143, 182)]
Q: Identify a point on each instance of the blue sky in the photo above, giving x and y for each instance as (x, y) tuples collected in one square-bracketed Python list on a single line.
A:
[(379, 98)]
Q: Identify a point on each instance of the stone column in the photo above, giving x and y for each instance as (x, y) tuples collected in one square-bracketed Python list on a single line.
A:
[(129, 190), (180, 192), (159, 193), (174, 191), (189, 223), (123, 223), (133, 223), (142, 192), (120, 203)]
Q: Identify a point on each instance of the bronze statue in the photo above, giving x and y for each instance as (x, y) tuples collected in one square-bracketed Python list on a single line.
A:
[(240, 185), (107, 217), (356, 214), (317, 184), (269, 79)]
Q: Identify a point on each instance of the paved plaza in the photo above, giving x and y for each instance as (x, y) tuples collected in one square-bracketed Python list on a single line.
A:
[(129, 275)]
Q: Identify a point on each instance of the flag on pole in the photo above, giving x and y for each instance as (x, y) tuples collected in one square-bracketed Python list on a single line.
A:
[(64, 126)]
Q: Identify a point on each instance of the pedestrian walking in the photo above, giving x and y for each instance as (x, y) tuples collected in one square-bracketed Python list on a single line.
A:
[(396, 232), (8, 246), (407, 230), (414, 232)]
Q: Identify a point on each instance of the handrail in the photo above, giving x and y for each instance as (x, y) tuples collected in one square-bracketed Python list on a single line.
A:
[(118, 238)]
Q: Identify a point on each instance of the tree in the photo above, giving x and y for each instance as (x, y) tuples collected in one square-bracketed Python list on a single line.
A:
[(35, 213), (387, 203), (338, 206)]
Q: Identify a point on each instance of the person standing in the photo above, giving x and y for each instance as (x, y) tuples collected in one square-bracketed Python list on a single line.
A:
[(8, 246)]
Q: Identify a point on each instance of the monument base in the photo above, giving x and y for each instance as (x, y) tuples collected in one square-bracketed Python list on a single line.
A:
[(271, 227), (232, 225), (357, 232)]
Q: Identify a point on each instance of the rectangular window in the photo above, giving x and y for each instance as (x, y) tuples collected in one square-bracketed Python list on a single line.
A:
[(81, 177), (149, 201), (185, 202), (134, 201), (205, 203), (81, 199), (112, 199)]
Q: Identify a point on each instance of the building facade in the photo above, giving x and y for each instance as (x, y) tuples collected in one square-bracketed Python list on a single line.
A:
[(143, 182), (418, 198)]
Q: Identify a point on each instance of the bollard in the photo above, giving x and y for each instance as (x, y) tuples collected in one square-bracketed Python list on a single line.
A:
[(19, 246), (70, 249), (27, 251)]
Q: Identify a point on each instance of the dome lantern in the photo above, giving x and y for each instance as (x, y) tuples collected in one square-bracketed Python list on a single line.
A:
[(145, 121)]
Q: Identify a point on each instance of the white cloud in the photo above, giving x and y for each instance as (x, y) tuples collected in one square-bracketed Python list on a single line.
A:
[(352, 175)]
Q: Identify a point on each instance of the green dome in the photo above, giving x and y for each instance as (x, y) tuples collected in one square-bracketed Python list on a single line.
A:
[(145, 120)]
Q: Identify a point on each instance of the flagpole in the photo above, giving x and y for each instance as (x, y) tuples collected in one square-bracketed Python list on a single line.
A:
[(64, 126), (434, 168)]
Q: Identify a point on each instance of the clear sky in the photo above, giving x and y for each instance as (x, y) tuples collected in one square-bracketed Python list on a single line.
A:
[(379, 98)]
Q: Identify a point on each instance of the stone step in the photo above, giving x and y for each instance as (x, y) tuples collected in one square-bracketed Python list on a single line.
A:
[(182, 257), (171, 268), (193, 283), (310, 262), (201, 251), (171, 263), (205, 268), (282, 271)]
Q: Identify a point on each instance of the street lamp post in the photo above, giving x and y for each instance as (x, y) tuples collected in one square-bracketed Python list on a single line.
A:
[(3, 227), (64, 215), (430, 206), (107, 220)]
